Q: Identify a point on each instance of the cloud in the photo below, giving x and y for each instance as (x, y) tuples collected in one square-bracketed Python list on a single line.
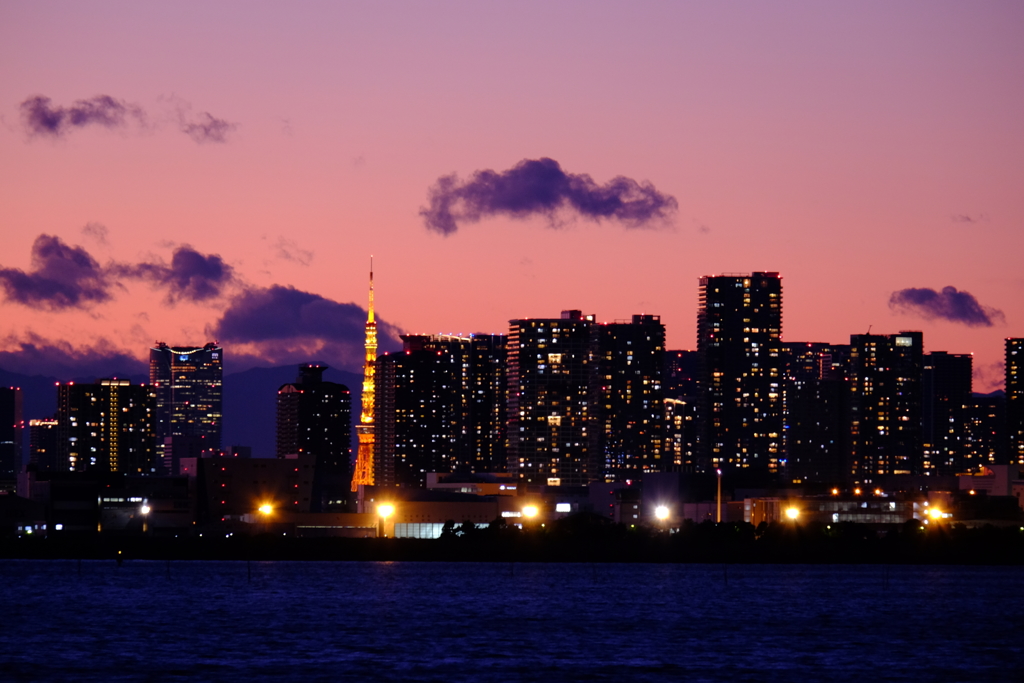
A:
[(289, 250), (191, 275), (33, 355), (990, 377), (62, 277), (205, 127), (41, 118), (949, 304), (968, 219), (282, 324), (96, 231), (540, 186)]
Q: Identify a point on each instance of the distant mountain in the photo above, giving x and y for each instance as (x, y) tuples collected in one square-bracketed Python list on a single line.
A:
[(250, 401)]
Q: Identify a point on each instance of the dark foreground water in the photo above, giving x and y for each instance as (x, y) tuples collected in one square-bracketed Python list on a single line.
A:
[(150, 621)]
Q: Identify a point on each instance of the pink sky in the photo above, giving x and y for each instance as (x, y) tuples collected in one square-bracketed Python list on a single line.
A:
[(858, 149)]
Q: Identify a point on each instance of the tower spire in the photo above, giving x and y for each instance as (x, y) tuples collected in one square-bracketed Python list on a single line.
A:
[(365, 460)]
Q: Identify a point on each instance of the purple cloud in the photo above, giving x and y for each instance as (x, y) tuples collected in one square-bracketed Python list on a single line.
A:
[(286, 324), (61, 277), (41, 118), (540, 186), (949, 304), (37, 356), (191, 275), (207, 128)]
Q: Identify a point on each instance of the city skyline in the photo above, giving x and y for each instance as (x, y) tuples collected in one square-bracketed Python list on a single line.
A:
[(869, 154)]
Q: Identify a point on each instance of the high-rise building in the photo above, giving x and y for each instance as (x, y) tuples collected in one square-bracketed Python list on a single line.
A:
[(628, 398), (1015, 401), (44, 444), (549, 412), (946, 405), (314, 417), (681, 414), (187, 381), (440, 408), (107, 426), (986, 427), (816, 411), (885, 404), (739, 338), (12, 426), (366, 464)]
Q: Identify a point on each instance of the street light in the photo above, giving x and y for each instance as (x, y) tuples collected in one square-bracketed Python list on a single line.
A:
[(719, 520), (792, 513), (266, 509), (384, 510), (145, 517), (661, 512), (530, 511)]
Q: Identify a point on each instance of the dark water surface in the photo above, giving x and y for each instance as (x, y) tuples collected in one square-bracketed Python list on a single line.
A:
[(149, 621)]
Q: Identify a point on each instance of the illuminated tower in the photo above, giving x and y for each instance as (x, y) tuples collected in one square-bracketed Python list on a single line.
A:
[(365, 461)]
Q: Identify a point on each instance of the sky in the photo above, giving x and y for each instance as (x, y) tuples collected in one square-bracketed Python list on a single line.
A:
[(190, 172)]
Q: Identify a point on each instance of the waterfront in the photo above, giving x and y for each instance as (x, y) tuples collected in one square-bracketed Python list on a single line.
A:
[(151, 620)]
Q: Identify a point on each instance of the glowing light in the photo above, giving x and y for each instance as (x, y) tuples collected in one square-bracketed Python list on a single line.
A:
[(530, 511), (792, 513), (266, 508), (856, 492), (835, 492), (385, 510), (661, 512), (144, 509), (935, 513)]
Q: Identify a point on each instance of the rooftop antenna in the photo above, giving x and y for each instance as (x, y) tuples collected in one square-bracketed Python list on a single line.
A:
[(869, 326)]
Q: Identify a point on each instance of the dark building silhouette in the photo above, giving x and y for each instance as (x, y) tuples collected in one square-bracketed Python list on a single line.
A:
[(739, 338), (628, 399), (886, 405), (681, 409), (986, 428), (106, 426), (1015, 401), (187, 382), (549, 411), (12, 427), (816, 411), (440, 408), (44, 444), (945, 412), (314, 418)]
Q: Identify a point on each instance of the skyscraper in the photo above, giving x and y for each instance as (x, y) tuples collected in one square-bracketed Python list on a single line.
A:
[(44, 444), (739, 338), (440, 408), (885, 405), (366, 465), (946, 407), (816, 411), (314, 417), (187, 381), (627, 396), (549, 416), (107, 426), (12, 427), (1015, 401)]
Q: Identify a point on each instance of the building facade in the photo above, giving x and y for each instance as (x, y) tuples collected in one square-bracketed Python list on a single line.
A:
[(739, 338), (12, 427), (314, 417), (1015, 401), (187, 382), (549, 401), (628, 397), (886, 405), (947, 400), (106, 426)]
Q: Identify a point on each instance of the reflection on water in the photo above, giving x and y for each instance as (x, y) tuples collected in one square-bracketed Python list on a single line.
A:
[(220, 621)]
